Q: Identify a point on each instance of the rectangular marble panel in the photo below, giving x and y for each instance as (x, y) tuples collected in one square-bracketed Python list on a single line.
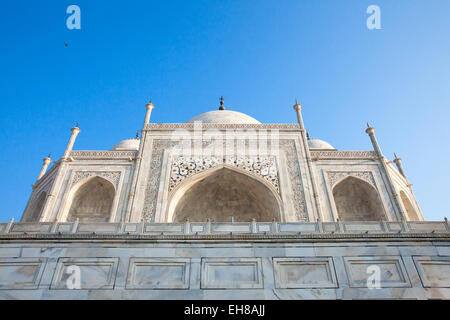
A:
[(434, 271), (20, 273), (230, 227), (158, 273), (392, 271), (305, 272), (330, 226), (362, 227), (131, 227), (197, 227), (264, 227), (427, 226), (394, 226), (31, 227), (95, 273), (231, 273), (98, 227), (64, 227), (297, 227), (165, 227)]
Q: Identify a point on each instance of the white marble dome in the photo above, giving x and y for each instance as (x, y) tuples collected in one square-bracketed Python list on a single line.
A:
[(128, 144), (224, 116), (319, 144)]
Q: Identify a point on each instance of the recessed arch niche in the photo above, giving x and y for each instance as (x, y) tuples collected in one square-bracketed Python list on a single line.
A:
[(357, 200), (92, 201), (221, 193)]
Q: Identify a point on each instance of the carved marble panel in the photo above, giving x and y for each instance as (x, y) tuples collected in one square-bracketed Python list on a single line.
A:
[(231, 273), (158, 273), (112, 176), (305, 272), (183, 167), (392, 271), (434, 271), (336, 176), (95, 273), (20, 273), (286, 145)]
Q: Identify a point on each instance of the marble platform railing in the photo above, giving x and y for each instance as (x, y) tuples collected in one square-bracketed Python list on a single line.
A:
[(208, 228)]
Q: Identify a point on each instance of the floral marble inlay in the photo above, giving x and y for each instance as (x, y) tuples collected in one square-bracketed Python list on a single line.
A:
[(335, 176), (112, 176), (183, 167)]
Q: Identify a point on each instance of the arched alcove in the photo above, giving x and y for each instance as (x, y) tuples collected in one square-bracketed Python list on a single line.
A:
[(92, 201), (412, 215), (221, 194), (356, 200), (36, 209)]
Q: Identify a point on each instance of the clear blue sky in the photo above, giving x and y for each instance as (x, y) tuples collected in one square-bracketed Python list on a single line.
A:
[(260, 55)]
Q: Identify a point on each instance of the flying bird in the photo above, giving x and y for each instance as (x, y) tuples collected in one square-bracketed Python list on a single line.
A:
[(66, 44)]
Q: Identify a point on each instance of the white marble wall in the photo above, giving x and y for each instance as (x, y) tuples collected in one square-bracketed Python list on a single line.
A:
[(225, 269)]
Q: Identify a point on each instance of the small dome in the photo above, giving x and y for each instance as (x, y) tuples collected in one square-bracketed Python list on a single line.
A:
[(319, 144), (224, 116), (129, 144)]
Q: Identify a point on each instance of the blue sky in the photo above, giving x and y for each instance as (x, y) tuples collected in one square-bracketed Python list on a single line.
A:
[(260, 55)]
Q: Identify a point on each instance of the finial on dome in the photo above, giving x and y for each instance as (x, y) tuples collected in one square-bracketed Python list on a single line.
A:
[(49, 155), (222, 107), (307, 135), (137, 135)]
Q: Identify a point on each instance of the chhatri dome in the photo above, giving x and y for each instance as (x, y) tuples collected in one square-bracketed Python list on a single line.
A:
[(128, 144), (319, 144)]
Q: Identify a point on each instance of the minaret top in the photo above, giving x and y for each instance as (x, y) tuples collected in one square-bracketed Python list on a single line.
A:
[(297, 106), (150, 105)]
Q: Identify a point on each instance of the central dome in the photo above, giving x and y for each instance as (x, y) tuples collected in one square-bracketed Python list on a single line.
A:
[(224, 116)]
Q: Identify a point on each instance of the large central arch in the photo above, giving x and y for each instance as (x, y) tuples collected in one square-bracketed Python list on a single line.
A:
[(221, 193)]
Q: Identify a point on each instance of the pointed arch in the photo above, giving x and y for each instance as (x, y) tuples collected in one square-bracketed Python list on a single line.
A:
[(36, 209), (357, 200), (91, 200), (223, 192), (410, 211)]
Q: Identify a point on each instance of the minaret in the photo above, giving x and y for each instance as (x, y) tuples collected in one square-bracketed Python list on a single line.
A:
[(303, 134), (399, 208), (398, 163), (149, 106), (75, 131), (48, 209), (371, 132), (298, 110), (134, 181), (47, 161)]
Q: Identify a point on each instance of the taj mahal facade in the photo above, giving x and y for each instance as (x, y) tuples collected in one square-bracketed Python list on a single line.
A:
[(224, 207)]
